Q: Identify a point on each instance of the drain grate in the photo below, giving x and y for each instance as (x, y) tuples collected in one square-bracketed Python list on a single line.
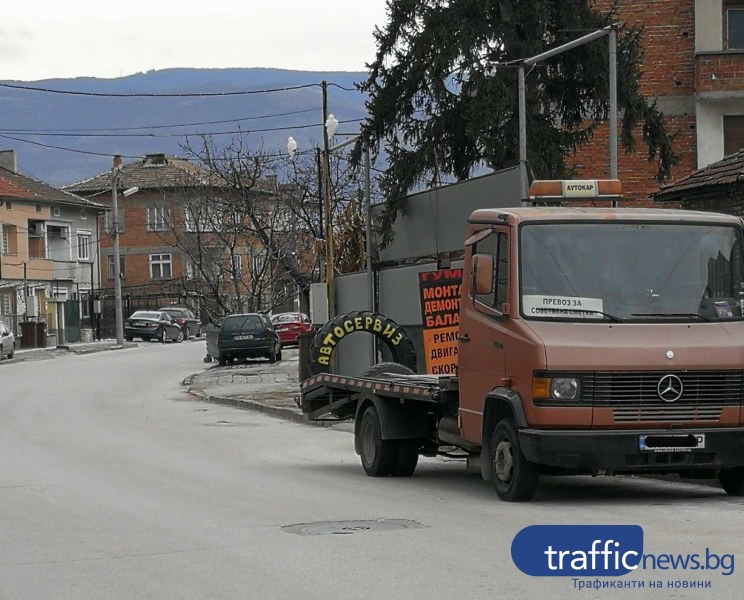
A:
[(350, 527)]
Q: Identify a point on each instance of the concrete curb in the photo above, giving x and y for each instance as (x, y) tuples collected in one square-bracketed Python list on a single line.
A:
[(281, 412)]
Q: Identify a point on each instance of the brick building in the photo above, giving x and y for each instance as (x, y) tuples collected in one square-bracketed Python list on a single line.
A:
[(694, 69), (184, 238)]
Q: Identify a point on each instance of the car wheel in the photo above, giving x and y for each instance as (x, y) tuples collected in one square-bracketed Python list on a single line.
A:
[(279, 354), (162, 335), (272, 355), (186, 333), (179, 336), (129, 338), (11, 354), (222, 360)]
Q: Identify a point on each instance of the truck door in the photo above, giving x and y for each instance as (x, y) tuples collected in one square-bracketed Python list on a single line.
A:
[(482, 337)]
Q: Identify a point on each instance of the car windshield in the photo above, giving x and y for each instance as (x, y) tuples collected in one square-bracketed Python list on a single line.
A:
[(242, 323), (145, 315), (173, 312), (285, 318), (631, 271)]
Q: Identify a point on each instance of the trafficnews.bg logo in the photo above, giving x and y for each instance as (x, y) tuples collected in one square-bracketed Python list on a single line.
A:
[(603, 551)]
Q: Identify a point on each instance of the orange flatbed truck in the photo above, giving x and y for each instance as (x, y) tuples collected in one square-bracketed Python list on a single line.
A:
[(592, 340)]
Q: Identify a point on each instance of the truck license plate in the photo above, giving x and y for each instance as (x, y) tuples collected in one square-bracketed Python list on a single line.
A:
[(671, 443)]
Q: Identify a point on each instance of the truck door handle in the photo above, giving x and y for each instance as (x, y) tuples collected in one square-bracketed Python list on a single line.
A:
[(463, 338)]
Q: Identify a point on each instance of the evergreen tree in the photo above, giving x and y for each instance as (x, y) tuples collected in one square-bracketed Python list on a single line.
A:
[(439, 110)]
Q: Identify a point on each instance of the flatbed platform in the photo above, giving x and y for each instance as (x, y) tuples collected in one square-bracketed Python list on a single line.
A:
[(337, 395)]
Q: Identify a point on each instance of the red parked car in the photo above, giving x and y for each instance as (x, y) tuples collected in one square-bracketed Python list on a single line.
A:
[(290, 325)]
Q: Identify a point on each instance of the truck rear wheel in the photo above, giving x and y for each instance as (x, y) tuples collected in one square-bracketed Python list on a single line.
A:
[(732, 481), (406, 459), (514, 477), (378, 456)]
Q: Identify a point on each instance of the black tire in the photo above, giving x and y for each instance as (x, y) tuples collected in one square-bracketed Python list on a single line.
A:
[(406, 459), (222, 360), (129, 338), (179, 336), (186, 332), (11, 354), (378, 456), (162, 335), (272, 355), (386, 330), (387, 367), (732, 481), (279, 354), (514, 477)]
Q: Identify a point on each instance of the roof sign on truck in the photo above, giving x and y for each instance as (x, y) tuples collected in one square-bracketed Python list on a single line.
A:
[(567, 189)]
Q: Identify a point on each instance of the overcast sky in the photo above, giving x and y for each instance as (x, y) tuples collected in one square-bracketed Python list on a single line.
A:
[(70, 38)]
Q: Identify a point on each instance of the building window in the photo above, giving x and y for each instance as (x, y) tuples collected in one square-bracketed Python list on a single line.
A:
[(110, 266), (84, 214), (38, 208), (6, 304), (733, 134), (735, 34), (83, 243), (202, 217), (160, 266), (8, 206), (10, 239), (158, 218)]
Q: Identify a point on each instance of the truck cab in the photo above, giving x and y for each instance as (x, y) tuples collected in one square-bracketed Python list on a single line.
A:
[(602, 341)]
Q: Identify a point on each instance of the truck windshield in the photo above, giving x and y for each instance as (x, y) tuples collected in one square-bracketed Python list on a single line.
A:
[(631, 271)]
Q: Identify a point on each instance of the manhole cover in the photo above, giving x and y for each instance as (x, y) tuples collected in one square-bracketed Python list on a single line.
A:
[(350, 527)]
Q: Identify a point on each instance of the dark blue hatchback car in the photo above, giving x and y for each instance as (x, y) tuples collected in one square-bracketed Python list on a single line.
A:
[(248, 335)]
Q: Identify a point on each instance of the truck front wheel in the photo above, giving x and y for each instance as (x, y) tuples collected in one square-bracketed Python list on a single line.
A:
[(514, 477), (732, 481), (378, 456)]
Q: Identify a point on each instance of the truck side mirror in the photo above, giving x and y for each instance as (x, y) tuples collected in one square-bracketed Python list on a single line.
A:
[(482, 271)]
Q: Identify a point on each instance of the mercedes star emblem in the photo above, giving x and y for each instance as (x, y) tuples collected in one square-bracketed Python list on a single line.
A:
[(669, 388)]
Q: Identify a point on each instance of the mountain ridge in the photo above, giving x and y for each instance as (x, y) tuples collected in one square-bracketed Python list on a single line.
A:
[(26, 113)]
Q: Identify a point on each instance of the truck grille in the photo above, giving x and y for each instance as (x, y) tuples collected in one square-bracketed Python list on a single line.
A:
[(649, 413), (639, 390)]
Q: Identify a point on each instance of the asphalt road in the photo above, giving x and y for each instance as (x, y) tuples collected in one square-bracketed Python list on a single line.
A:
[(116, 484)]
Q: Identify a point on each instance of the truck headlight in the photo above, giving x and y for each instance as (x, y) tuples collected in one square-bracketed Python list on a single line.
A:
[(564, 388), (556, 388)]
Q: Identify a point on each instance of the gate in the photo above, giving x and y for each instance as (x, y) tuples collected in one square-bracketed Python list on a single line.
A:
[(72, 321)]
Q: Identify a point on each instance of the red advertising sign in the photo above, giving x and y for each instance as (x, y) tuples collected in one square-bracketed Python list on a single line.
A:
[(440, 314)]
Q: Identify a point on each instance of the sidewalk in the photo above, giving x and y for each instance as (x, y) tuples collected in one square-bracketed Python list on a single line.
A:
[(29, 354), (255, 384)]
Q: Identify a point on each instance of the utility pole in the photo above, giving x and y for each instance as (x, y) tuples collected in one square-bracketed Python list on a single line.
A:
[(327, 207), (117, 277)]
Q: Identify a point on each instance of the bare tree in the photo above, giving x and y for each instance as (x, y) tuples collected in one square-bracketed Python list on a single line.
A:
[(242, 249)]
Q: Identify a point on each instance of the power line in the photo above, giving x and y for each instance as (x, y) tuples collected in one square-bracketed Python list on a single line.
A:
[(102, 129), (110, 154), (170, 135), (155, 95)]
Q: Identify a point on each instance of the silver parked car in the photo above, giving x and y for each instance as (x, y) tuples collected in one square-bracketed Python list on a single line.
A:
[(7, 341)]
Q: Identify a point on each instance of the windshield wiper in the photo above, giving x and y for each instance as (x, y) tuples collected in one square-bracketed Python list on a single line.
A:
[(587, 310), (673, 315)]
